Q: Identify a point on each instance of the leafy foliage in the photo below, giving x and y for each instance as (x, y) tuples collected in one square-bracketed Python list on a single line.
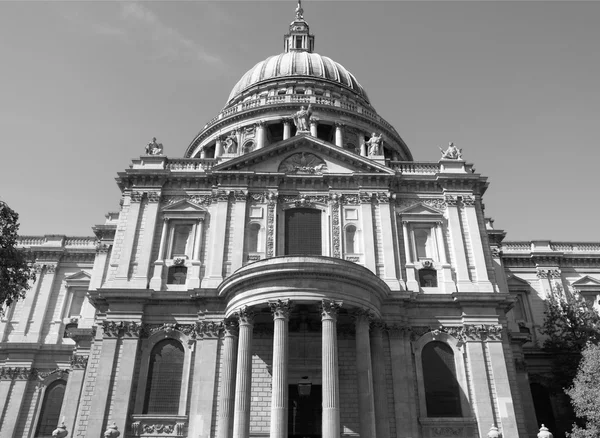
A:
[(15, 273), (584, 393)]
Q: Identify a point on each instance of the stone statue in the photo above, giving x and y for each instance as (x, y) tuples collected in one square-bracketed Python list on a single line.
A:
[(154, 148), (299, 11), (374, 144), (231, 143), (112, 431), (302, 119), (60, 431), (452, 153)]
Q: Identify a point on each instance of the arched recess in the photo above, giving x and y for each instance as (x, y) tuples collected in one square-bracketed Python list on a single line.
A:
[(148, 347), (456, 348), (50, 401)]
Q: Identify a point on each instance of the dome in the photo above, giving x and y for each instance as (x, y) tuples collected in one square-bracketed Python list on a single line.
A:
[(298, 63)]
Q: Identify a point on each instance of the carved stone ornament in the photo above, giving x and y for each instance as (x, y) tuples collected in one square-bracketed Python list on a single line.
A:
[(350, 199), (303, 163), (230, 327), (336, 231), (271, 225), (204, 200), (374, 145), (468, 201), (302, 119), (60, 431), (445, 431), (361, 315), (397, 330), (245, 315), (153, 197), (330, 309), (365, 198), (552, 273), (154, 148), (179, 261), (303, 200), (256, 197), (451, 153), (101, 247), (451, 201), (482, 332), (113, 329), (209, 329), (25, 373), (280, 308), (112, 431), (78, 362), (136, 196)]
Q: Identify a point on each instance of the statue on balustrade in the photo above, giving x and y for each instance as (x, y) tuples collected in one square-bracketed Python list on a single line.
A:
[(452, 153), (231, 143), (154, 148), (374, 144), (302, 119)]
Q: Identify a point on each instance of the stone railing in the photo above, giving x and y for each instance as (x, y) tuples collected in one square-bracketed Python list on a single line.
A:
[(31, 240), (548, 246), (301, 98), (191, 164), (414, 167), (80, 241)]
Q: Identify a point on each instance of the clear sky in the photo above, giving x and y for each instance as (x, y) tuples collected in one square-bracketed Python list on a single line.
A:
[(86, 85)]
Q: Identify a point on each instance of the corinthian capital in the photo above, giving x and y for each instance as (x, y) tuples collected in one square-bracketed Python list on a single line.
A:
[(245, 315), (330, 309), (280, 308)]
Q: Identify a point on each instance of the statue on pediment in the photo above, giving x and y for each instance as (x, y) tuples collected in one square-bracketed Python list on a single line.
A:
[(154, 148), (452, 153), (302, 118), (231, 143), (374, 144)]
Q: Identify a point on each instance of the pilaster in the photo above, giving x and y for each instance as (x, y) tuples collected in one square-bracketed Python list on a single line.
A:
[(368, 236), (38, 318), (134, 199), (390, 275), (216, 241), (146, 239), (481, 272), (73, 392), (239, 219), (460, 257)]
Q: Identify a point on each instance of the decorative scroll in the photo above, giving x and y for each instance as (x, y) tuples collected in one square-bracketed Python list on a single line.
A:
[(204, 200)]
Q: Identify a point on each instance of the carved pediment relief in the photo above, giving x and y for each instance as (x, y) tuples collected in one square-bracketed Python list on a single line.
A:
[(421, 206), (303, 163), (303, 155)]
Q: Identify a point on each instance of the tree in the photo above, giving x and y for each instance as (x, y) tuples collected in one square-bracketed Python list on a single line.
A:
[(15, 273), (584, 393), (570, 323)]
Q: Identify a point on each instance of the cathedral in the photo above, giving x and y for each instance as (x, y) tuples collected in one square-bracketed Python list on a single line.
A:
[(294, 274)]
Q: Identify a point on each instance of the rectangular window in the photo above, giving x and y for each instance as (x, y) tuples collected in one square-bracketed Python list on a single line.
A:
[(181, 245), (424, 244), (303, 232), (76, 303), (298, 42)]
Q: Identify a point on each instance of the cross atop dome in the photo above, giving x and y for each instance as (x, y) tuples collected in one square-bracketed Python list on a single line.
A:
[(299, 39)]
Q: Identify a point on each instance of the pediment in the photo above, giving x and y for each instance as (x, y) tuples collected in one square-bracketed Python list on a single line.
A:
[(514, 281), (78, 276), (420, 209), (183, 206), (303, 155), (586, 282)]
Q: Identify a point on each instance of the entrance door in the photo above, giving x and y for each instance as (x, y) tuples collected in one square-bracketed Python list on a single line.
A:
[(304, 418)]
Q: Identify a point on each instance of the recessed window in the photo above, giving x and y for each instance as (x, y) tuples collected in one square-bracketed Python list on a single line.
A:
[(253, 242), (423, 243), (177, 275), (165, 373), (76, 303), (298, 42), (182, 241), (442, 392), (428, 277), (350, 239), (51, 406), (303, 232)]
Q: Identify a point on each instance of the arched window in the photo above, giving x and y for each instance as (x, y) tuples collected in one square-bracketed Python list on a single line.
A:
[(303, 232), (421, 240), (51, 406), (253, 233), (350, 239), (442, 392), (165, 373)]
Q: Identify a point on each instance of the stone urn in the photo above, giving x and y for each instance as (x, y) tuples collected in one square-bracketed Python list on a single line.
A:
[(493, 433)]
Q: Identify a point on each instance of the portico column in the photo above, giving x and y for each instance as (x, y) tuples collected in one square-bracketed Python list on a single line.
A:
[(260, 134), (287, 128), (331, 389), (226, 401), (219, 147), (314, 122), (279, 385), (243, 378), (366, 406), (379, 385), (339, 134), (361, 143)]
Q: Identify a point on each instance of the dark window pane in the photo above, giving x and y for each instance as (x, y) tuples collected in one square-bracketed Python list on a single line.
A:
[(428, 277), (442, 393), (303, 232), (164, 378), (350, 233), (51, 406), (177, 275)]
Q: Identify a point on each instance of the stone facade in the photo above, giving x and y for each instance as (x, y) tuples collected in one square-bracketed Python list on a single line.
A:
[(290, 283)]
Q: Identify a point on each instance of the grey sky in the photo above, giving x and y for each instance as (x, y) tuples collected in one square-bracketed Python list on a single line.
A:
[(85, 85)]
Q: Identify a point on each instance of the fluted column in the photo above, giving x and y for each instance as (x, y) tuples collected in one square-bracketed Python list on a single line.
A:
[(331, 389), (243, 378), (227, 399), (366, 406), (219, 147), (287, 128), (382, 425), (314, 122), (279, 385), (339, 134), (260, 134)]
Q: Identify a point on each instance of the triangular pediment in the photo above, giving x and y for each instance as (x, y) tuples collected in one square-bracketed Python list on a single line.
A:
[(183, 206), (586, 281), (78, 276), (514, 281), (420, 209), (303, 155)]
